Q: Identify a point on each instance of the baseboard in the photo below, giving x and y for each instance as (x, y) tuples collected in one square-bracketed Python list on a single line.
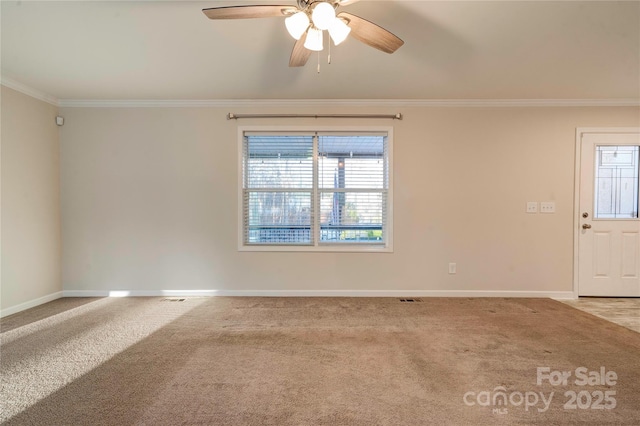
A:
[(321, 293), (31, 304)]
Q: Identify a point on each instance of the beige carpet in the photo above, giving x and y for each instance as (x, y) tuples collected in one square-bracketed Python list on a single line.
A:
[(312, 361)]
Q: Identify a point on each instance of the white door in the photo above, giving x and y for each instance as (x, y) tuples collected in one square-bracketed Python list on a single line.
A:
[(608, 224)]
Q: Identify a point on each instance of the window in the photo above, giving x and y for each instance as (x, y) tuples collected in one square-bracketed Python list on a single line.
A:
[(616, 188), (320, 191)]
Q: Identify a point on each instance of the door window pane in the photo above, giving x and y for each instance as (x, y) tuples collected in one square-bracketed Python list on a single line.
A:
[(616, 186)]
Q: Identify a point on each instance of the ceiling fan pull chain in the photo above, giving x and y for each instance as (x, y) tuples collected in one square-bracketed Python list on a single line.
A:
[(318, 62), (329, 57)]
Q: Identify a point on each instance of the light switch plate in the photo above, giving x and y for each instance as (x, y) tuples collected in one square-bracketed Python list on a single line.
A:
[(532, 207), (547, 207)]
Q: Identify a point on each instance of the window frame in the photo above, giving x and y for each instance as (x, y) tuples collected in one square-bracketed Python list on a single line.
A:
[(317, 246)]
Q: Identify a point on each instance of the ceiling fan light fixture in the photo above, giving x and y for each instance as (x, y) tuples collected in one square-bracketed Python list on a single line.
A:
[(323, 15), (314, 40), (297, 24), (339, 31)]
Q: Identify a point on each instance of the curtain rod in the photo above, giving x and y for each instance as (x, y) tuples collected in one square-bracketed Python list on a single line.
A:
[(232, 116)]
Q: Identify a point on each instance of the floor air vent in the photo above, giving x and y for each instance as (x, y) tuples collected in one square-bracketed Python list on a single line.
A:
[(173, 300), (411, 300)]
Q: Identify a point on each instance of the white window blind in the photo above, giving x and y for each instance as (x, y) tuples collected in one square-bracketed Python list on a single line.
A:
[(315, 190), (352, 185), (278, 189)]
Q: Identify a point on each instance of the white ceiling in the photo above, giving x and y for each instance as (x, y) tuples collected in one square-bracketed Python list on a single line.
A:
[(453, 50)]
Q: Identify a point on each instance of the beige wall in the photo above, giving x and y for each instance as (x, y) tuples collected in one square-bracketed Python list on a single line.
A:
[(149, 202), (31, 238)]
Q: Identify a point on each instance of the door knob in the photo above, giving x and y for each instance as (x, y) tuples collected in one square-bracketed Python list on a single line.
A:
[(586, 226)]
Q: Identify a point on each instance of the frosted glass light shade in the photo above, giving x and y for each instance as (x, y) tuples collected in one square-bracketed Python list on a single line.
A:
[(297, 24), (314, 40), (338, 31), (323, 16)]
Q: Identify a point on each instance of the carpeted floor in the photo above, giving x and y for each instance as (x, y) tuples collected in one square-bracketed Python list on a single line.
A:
[(316, 361)]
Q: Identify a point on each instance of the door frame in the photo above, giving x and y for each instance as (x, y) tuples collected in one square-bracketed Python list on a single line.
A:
[(576, 191)]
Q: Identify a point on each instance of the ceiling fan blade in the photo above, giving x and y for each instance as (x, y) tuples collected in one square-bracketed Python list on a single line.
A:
[(299, 54), (346, 2), (371, 34), (243, 12)]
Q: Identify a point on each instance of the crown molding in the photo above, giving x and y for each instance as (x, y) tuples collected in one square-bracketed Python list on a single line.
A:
[(29, 91), (302, 103), (298, 103)]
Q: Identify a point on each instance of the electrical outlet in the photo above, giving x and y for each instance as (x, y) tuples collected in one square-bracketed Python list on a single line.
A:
[(532, 207), (452, 268), (547, 207)]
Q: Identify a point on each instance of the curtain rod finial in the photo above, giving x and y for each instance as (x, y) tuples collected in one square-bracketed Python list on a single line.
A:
[(398, 116), (231, 116)]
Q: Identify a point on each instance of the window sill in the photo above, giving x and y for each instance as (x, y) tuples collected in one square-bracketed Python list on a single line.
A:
[(347, 248)]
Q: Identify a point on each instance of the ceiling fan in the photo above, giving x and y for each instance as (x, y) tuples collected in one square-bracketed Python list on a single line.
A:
[(307, 21)]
